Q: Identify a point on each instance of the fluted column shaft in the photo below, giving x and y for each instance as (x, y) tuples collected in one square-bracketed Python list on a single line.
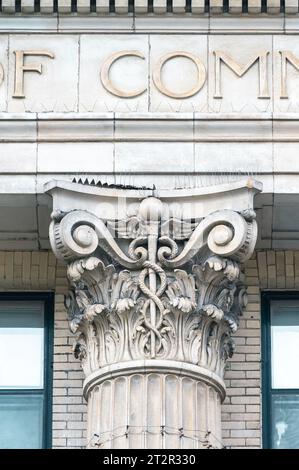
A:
[(154, 409)]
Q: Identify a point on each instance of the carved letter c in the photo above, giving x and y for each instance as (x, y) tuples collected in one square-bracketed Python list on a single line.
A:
[(106, 82)]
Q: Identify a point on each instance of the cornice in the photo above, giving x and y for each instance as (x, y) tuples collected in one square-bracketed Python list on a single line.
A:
[(168, 23), (150, 127), (155, 16)]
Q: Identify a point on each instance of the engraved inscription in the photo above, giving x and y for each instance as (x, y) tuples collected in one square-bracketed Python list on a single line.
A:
[(21, 68), (156, 79)]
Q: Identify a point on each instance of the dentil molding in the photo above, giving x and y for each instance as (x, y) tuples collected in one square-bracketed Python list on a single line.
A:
[(106, 7)]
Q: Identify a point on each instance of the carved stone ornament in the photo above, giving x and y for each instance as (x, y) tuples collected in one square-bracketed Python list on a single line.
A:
[(157, 280)]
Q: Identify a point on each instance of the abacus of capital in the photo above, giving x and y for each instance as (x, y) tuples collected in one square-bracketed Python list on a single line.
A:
[(156, 290)]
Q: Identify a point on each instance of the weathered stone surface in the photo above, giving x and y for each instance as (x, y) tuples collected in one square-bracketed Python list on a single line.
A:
[(155, 294)]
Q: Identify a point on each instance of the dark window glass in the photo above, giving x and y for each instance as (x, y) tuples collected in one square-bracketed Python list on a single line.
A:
[(21, 423), (22, 344), (281, 370), (25, 372), (285, 422)]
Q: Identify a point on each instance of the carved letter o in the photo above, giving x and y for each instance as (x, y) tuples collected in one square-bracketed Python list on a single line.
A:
[(201, 72)]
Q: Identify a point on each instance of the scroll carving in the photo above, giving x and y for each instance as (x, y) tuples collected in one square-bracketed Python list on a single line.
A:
[(138, 292)]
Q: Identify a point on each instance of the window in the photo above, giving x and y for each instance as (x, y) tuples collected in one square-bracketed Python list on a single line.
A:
[(280, 337), (26, 331)]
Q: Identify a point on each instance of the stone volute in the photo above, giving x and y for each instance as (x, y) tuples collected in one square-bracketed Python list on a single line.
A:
[(156, 290)]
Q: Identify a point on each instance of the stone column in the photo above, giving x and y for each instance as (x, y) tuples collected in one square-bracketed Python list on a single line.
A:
[(156, 290)]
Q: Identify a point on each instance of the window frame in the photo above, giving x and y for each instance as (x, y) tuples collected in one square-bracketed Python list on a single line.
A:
[(267, 390), (48, 299)]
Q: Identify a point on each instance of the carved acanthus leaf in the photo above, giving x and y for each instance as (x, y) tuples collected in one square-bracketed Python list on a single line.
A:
[(189, 306), (181, 292), (212, 311), (76, 269), (148, 302)]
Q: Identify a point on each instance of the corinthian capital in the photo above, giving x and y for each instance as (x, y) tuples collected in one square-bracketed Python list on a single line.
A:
[(154, 275)]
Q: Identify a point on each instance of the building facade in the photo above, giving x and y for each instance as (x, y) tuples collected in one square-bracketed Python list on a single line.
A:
[(149, 236)]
